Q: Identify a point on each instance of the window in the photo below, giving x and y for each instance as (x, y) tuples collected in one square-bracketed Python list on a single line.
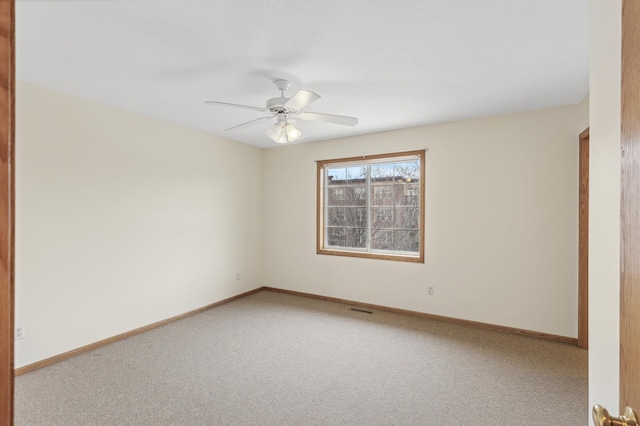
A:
[(372, 206)]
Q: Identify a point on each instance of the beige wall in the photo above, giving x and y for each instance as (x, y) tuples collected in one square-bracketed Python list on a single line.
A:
[(124, 220), (501, 221), (604, 203)]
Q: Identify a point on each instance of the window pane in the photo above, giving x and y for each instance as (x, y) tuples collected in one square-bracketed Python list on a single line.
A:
[(337, 196), (337, 189), (356, 175), (382, 239), (337, 216), (336, 176), (407, 217), (381, 217), (407, 194), (373, 207), (407, 241), (382, 195), (357, 195), (336, 237), (357, 217), (357, 238), (408, 172), (381, 173)]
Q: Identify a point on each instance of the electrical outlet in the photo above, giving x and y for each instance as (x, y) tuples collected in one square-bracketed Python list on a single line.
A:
[(237, 276), (19, 331), (430, 290)]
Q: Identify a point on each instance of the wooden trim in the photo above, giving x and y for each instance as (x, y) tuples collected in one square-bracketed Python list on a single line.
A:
[(423, 185), (361, 158), (419, 258), (7, 208), (583, 241), (630, 208), (319, 207), (364, 255), (84, 349), (475, 324)]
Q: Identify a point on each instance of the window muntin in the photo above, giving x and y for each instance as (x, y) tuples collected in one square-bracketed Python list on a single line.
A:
[(372, 206)]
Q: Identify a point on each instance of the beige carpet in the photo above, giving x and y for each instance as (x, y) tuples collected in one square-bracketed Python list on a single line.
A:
[(275, 359)]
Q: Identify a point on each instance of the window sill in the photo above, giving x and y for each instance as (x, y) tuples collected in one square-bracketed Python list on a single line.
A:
[(380, 256)]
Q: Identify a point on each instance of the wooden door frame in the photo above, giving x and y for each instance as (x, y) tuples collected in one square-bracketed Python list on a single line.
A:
[(7, 194), (630, 207), (583, 241)]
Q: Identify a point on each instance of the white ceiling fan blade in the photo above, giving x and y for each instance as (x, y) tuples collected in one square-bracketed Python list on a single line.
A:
[(301, 99), (249, 123), (328, 118), (235, 105)]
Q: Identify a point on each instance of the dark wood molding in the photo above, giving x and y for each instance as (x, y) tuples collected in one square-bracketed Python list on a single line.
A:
[(7, 209), (475, 324), (630, 208), (84, 349), (583, 241)]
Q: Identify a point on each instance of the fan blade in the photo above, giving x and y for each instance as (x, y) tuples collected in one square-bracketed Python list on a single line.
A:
[(328, 118), (301, 99), (235, 105), (249, 123)]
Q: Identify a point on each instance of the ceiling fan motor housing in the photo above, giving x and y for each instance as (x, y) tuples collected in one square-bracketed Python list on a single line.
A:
[(276, 106)]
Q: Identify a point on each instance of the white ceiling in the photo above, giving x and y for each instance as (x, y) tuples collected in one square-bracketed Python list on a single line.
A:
[(391, 63)]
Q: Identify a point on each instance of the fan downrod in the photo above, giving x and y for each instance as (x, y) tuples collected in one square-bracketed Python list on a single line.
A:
[(282, 85)]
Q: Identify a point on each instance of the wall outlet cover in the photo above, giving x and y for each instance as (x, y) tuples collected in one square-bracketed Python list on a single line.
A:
[(19, 331)]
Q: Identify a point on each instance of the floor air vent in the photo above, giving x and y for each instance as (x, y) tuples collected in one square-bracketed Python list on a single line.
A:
[(360, 310)]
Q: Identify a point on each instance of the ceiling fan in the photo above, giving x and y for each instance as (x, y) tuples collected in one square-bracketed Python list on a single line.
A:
[(283, 109)]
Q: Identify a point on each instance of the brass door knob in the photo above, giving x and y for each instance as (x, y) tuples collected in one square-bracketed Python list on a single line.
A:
[(601, 417)]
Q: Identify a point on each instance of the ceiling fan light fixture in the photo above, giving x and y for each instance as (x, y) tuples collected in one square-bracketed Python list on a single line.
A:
[(293, 132), (284, 131)]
